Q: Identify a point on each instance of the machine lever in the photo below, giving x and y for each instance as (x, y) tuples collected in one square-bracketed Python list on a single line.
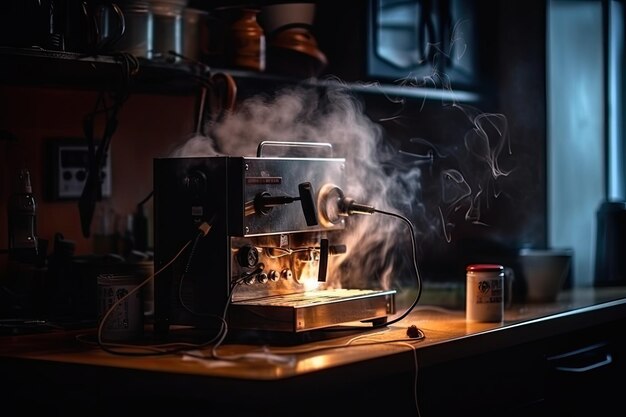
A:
[(323, 263), (308, 203)]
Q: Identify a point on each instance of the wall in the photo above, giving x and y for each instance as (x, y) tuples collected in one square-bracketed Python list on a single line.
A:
[(149, 126)]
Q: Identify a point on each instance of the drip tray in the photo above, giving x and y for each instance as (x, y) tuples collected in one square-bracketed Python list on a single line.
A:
[(310, 310)]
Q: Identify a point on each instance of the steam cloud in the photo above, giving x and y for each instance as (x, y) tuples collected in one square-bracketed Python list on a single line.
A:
[(378, 174)]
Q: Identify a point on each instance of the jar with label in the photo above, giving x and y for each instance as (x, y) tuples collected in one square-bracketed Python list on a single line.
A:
[(484, 293), (120, 307)]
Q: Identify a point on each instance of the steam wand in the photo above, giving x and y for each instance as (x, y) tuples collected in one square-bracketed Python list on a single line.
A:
[(335, 205), (347, 207)]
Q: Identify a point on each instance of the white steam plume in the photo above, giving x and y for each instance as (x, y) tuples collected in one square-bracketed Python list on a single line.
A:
[(335, 117)]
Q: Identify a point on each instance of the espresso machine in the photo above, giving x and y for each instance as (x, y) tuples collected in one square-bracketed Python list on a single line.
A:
[(252, 243)]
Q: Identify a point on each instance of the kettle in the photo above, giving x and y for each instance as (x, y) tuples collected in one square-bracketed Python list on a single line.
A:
[(610, 262)]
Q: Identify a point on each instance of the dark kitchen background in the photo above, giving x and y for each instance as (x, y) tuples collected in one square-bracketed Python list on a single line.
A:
[(508, 113)]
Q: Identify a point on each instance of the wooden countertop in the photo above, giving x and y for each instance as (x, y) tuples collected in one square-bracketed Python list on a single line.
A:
[(59, 369), (445, 331)]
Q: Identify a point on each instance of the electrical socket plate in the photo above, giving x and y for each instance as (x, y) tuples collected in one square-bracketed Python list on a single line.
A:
[(66, 172)]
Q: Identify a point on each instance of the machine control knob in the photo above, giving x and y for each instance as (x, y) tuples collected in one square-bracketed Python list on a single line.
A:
[(286, 273), (196, 183), (273, 275), (248, 256)]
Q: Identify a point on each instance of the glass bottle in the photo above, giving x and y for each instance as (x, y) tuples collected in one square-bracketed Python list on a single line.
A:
[(22, 217)]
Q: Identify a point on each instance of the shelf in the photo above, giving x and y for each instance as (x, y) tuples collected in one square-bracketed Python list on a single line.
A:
[(43, 67), (360, 87), (72, 70), (409, 91)]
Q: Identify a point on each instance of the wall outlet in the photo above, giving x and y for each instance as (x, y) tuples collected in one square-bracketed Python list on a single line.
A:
[(67, 163)]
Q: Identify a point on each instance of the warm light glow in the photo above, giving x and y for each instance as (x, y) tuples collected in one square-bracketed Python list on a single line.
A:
[(308, 275), (313, 363)]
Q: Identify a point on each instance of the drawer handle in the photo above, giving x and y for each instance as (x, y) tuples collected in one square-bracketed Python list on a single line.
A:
[(587, 354), (608, 359)]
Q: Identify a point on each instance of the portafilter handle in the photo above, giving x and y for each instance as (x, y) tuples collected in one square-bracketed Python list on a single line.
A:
[(264, 202)]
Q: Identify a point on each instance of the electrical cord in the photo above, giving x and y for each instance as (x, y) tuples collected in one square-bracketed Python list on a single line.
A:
[(418, 276), (350, 207), (145, 199), (415, 380), (192, 252), (181, 300), (271, 353)]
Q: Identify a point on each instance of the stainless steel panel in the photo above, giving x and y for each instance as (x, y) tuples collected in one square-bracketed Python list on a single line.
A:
[(312, 309), (280, 177)]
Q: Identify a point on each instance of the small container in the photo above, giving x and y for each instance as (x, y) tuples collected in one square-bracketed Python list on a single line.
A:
[(484, 293), (195, 32), (119, 292), (137, 38), (167, 29), (22, 218), (248, 42), (544, 272)]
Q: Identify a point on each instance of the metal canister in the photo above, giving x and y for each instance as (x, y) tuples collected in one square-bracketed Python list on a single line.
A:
[(167, 30), (137, 38), (195, 32), (484, 293)]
